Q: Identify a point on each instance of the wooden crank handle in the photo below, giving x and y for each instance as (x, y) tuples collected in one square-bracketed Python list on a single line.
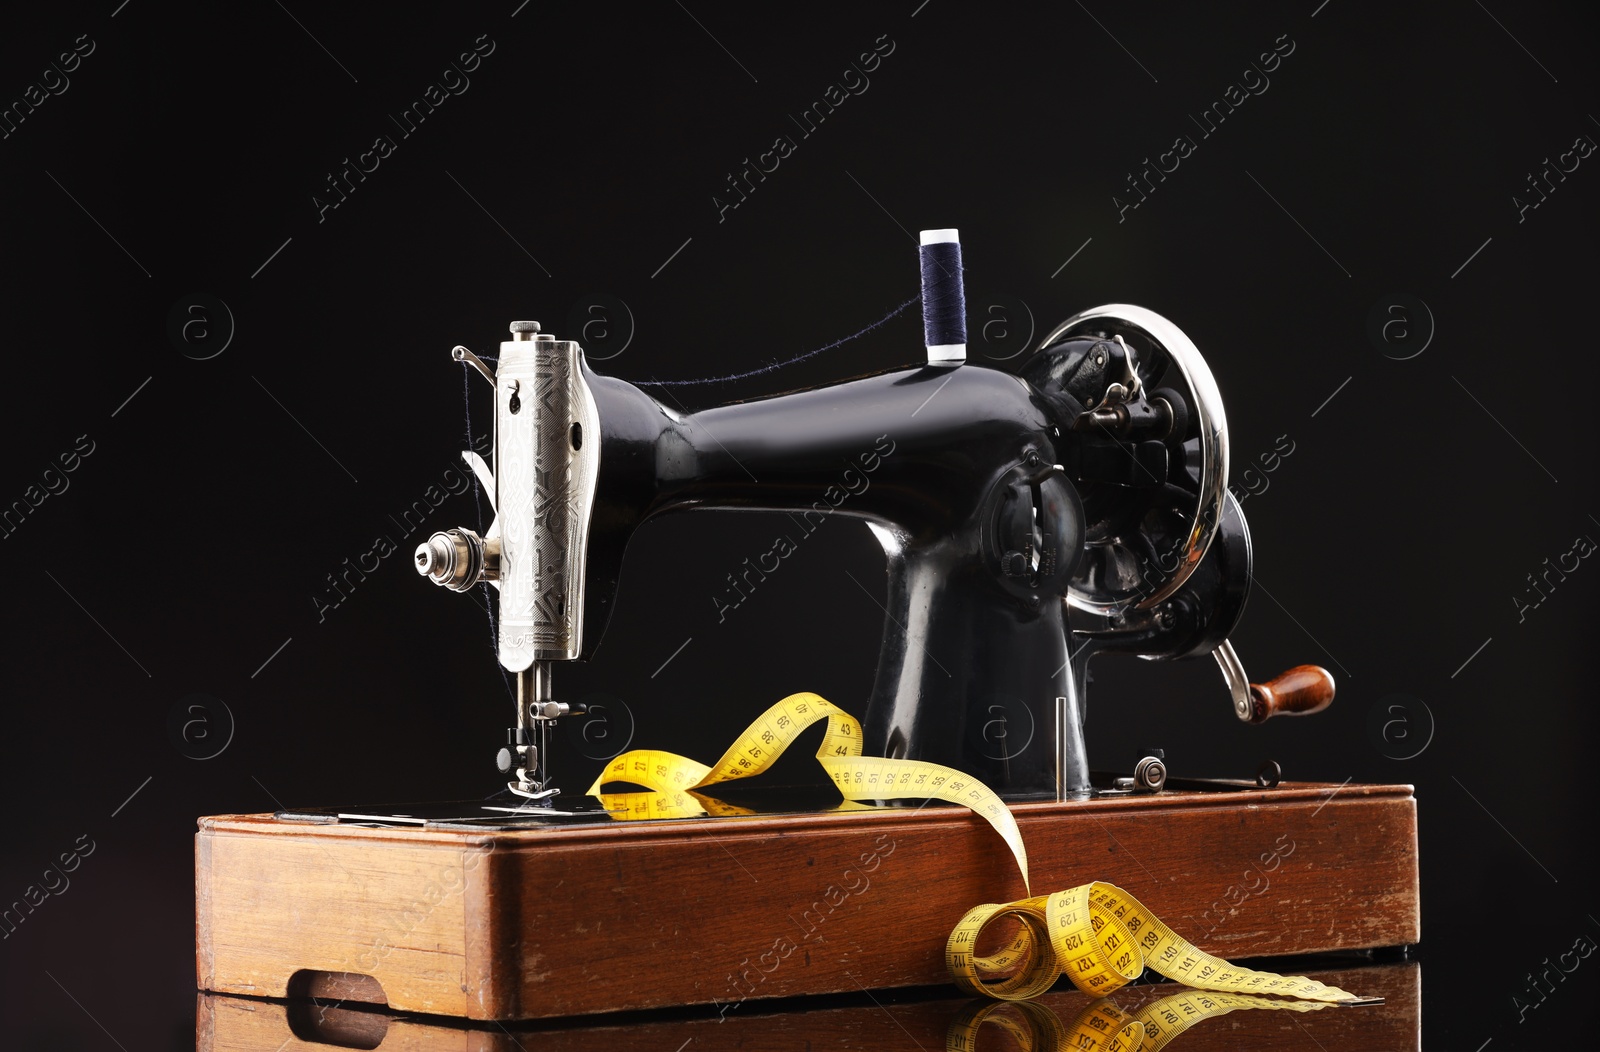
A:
[(1300, 691)]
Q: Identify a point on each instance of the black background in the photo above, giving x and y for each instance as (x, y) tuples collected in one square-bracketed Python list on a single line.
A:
[(583, 160)]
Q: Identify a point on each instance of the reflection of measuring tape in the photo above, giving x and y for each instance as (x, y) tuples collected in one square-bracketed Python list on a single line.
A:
[(1102, 1026), (1098, 935)]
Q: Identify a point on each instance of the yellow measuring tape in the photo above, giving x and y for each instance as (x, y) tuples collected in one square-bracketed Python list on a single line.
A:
[(1101, 938), (1102, 1026), (858, 777), (1097, 935)]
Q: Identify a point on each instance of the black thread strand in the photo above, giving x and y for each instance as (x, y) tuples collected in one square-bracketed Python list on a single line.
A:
[(775, 366)]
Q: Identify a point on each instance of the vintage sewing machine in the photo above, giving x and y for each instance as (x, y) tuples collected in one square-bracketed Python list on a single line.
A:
[(1029, 522)]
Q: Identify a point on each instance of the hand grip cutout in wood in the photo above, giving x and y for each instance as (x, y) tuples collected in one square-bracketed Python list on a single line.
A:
[(1300, 691)]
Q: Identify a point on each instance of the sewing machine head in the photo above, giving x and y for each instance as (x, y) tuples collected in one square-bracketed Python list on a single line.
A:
[(1029, 522)]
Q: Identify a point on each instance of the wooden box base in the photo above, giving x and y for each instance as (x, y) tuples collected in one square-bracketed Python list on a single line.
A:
[(567, 921)]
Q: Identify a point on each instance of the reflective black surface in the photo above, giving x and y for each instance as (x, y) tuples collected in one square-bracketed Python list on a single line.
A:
[(724, 801), (927, 1019)]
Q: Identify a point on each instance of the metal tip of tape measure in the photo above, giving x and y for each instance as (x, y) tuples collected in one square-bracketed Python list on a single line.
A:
[(1360, 1002)]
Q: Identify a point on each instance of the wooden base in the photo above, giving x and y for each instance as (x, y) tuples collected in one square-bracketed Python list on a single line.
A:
[(234, 1024), (567, 921)]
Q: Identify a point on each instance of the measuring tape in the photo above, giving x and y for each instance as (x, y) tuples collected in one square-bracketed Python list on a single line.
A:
[(1101, 938), (858, 777), (1102, 1026), (1097, 935)]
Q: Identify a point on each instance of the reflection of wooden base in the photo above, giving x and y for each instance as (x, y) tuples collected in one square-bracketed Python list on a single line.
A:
[(231, 1024), (555, 922)]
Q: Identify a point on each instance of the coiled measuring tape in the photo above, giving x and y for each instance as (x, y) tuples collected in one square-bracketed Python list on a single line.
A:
[(1097, 935), (1101, 938)]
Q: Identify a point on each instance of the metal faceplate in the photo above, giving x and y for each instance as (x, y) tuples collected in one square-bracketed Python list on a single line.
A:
[(547, 459)]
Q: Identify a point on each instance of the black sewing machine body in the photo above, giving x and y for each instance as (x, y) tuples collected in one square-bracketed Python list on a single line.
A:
[(1029, 521), (951, 466)]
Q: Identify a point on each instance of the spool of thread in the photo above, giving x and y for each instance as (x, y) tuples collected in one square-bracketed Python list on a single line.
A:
[(944, 298)]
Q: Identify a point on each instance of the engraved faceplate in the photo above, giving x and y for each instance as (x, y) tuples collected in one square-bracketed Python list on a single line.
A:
[(545, 472)]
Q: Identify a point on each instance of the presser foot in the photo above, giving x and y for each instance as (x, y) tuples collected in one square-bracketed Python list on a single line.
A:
[(527, 750), (527, 791)]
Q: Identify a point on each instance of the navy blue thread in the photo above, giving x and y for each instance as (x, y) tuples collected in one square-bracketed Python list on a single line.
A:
[(775, 366), (466, 402), (944, 305), (477, 507)]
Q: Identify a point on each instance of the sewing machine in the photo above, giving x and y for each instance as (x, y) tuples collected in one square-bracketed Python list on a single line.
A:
[(1029, 522)]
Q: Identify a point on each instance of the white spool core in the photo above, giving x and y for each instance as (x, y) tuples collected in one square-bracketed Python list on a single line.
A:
[(941, 237)]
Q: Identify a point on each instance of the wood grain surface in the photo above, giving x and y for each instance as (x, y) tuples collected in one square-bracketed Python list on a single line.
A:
[(726, 912)]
